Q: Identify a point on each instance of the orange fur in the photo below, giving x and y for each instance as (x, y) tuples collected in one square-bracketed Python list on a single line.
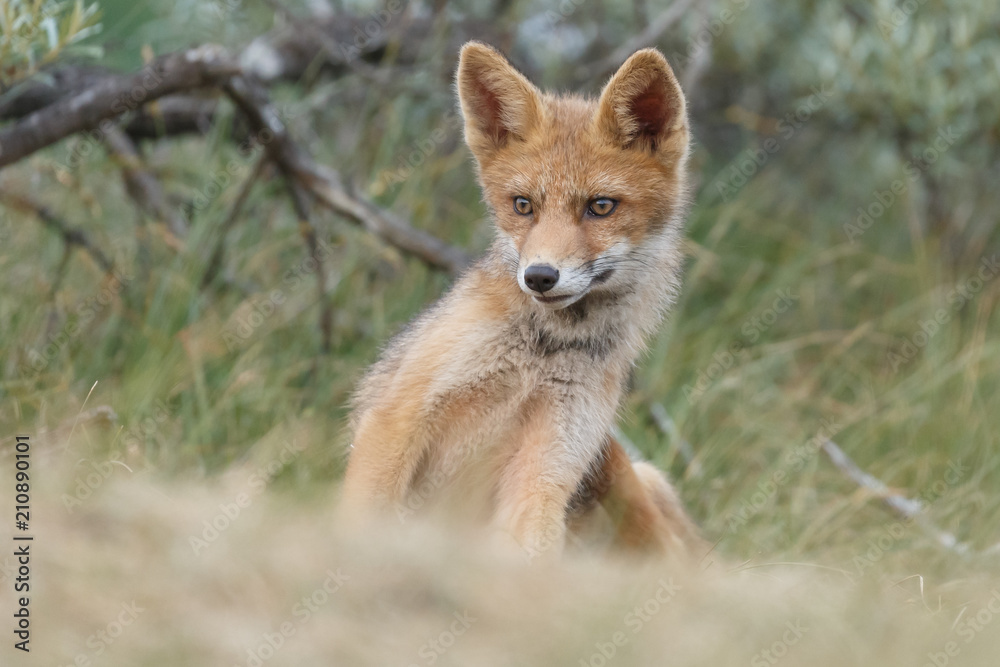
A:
[(498, 401)]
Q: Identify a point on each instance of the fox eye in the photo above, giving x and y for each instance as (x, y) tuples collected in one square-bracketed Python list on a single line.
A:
[(522, 206), (602, 207)]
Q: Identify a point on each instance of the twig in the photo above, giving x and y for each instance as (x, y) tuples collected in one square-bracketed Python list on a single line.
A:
[(71, 235), (905, 508), (61, 270), (698, 63), (215, 260), (659, 25), (252, 100), (325, 184), (328, 47), (663, 421), (111, 97), (308, 231), (140, 183)]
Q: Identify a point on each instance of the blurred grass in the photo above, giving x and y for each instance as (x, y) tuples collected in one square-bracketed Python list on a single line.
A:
[(193, 406), (826, 357)]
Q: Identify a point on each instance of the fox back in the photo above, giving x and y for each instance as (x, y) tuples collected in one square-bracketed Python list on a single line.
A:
[(501, 397)]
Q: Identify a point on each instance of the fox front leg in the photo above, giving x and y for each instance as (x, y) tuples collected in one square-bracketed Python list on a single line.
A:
[(387, 449), (541, 476)]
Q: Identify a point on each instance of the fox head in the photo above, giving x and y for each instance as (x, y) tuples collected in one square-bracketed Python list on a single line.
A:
[(582, 191)]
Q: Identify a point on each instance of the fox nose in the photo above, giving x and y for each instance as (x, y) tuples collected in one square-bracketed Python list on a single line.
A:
[(541, 277)]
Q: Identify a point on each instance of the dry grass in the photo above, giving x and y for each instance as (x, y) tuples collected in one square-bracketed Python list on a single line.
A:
[(416, 595)]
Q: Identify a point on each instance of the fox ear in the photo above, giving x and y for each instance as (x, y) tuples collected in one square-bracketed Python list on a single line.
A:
[(642, 106), (498, 103)]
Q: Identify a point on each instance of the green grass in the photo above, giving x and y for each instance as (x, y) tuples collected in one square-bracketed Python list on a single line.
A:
[(743, 391)]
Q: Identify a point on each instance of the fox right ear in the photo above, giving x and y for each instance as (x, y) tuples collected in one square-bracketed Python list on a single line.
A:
[(498, 103), (643, 106)]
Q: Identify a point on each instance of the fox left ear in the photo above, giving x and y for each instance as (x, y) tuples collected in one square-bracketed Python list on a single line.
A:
[(498, 103), (642, 106)]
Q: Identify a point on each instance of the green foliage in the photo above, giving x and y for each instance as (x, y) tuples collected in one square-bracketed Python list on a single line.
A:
[(36, 32)]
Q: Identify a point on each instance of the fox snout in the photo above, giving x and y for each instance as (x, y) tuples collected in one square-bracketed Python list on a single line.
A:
[(557, 285), (541, 277), (549, 286)]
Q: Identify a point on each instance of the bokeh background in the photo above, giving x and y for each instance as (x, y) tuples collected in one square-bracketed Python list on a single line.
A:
[(842, 283)]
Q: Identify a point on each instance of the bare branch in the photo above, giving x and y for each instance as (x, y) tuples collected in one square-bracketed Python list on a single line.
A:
[(71, 235), (200, 68), (903, 507), (215, 260), (325, 184), (111, 97), (667, 426), (648, 37), (140, 183), (172, 115), (308, 231)]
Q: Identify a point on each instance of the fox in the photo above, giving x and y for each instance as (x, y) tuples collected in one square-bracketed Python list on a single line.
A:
[(498, 402)]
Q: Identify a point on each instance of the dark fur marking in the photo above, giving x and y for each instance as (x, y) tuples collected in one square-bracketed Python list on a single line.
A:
[(594, 485), (543, 343)]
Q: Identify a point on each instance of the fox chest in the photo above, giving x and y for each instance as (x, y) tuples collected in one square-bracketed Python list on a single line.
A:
[(478, 410)]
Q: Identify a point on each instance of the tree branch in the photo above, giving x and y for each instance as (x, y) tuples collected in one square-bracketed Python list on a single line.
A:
[(648, 37), (325, 184), (204, 67), (905, 508), (215, 260), (140, 183), (71, 235), (308, 231), (111, 97)]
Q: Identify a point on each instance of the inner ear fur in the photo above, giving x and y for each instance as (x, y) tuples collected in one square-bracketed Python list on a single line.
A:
[(498, 103), (643, 106)]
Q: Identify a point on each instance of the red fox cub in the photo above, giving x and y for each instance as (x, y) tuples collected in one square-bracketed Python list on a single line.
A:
[(498, 402)]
